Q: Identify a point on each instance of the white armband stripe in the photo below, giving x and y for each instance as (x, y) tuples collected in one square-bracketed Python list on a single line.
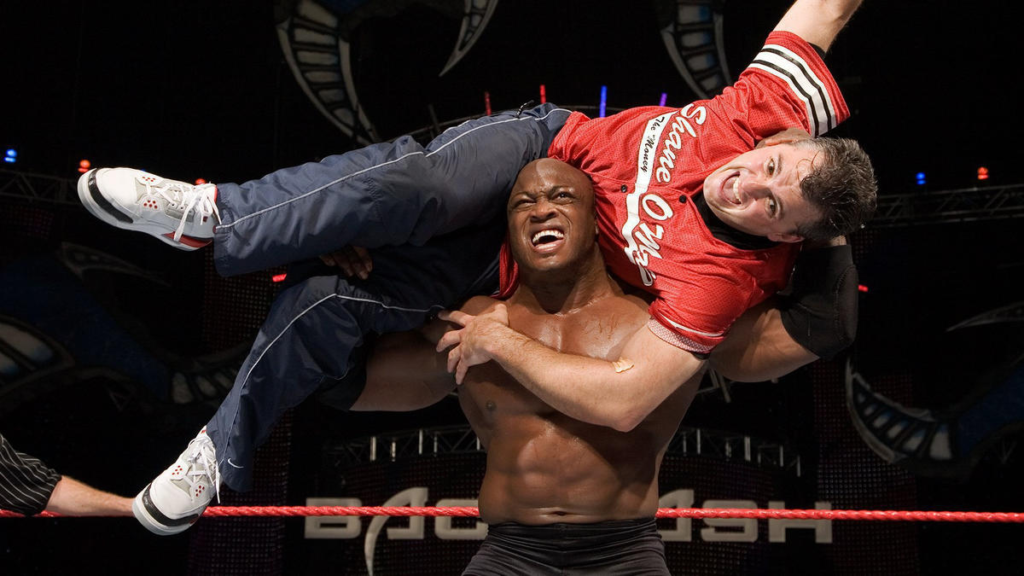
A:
[(786, 65), (819, 85)]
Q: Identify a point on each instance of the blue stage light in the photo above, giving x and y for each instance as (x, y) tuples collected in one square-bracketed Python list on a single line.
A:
[(604, 100)]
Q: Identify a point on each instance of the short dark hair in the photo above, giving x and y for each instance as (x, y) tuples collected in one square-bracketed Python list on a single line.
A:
[(842, 187)]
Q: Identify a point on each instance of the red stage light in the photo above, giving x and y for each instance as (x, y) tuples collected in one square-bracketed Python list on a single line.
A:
[(982, 173), (84, 166)]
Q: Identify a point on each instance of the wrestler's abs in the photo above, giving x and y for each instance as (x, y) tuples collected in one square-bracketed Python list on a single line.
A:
[(544, 467)]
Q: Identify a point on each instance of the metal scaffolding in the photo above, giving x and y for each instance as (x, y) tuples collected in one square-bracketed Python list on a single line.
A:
[(38, 188), (950, 206), (460, 439)]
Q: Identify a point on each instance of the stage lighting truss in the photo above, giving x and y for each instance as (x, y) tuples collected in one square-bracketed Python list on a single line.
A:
[(460, 439), (38, 188), (963, 205)]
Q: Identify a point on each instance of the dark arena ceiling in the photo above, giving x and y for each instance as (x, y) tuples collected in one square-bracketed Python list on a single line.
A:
[(204, 89)]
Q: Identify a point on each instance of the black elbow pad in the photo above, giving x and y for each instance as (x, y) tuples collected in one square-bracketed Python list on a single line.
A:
[(820, 309)]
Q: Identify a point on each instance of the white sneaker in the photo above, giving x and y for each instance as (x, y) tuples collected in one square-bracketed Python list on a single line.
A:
[(178, 213), (178, 496)]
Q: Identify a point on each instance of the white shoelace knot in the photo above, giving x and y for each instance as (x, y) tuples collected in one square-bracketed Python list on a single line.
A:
[(196, 202), (202, 464)]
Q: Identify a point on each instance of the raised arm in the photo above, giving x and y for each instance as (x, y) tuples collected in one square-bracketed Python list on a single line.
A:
[(818, 21), (617, 394)]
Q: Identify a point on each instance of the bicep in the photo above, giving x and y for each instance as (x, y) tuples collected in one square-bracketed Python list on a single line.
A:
[(759, 348), (404, 372), (659, 366)]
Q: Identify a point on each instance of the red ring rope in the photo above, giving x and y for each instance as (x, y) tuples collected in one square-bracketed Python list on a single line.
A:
[(758, 513)]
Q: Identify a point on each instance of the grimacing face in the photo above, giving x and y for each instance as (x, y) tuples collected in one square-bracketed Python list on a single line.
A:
[(551, 218), (758, 192)]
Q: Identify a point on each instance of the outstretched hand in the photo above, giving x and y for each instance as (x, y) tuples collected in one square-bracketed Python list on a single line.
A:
[(468, 343)]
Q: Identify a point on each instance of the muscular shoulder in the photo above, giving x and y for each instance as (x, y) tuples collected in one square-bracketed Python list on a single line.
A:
[(631, 304), (603, 329), (479, 304)]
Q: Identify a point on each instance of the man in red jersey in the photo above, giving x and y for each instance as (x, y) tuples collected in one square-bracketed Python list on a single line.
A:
[(709, 241), (688, 211)]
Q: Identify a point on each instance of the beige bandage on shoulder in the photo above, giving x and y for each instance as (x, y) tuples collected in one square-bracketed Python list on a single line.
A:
[(622, 364)]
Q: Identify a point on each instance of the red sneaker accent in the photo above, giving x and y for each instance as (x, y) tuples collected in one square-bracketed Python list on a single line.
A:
[(190, 241)]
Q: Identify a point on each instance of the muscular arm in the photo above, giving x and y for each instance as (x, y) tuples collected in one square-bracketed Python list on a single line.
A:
[(818, 21), (595, 391), (818, 318), (759, 348), (405, 373)]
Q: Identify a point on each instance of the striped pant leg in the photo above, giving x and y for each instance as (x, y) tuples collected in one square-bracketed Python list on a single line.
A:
[(306, 342), (383, 195)]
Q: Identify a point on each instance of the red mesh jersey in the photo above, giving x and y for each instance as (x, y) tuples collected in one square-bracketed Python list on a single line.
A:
[(644, 161)]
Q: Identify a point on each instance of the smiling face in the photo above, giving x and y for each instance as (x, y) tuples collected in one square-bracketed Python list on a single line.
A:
[(551, 219), (758, 192)]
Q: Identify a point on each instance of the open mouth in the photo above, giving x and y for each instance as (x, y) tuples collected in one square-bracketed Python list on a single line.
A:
[(547, 240), (730, 190)]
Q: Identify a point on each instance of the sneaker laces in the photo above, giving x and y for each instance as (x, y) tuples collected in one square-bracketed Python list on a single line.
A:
[(194, 201), (202, 460)]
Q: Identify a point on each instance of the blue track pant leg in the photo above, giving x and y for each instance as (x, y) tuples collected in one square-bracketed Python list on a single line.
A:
[(313, 326), (383, 195)]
